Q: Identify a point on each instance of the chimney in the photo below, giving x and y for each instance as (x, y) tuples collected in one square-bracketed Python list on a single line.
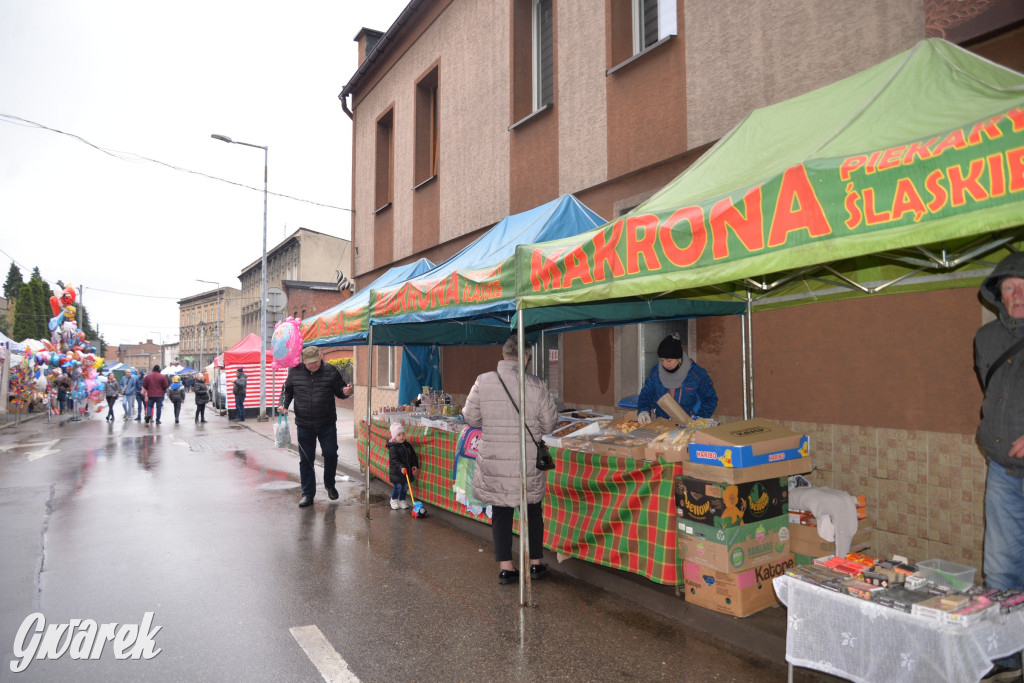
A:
[(367, 39)]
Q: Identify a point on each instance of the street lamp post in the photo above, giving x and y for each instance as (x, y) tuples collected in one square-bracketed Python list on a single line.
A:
[(218, 315), (263, 277)]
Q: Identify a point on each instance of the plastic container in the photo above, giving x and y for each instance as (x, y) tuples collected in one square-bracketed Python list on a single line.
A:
[(956, 576)]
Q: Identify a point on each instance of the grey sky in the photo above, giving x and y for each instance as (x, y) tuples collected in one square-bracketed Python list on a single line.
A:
[(156, 80)]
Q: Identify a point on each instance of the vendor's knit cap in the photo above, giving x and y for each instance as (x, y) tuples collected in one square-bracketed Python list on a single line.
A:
[(670, 347), (396, 429), (176, 379), (310, 354)]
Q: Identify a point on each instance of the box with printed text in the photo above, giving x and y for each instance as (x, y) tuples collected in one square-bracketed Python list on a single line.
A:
[(747, 443)]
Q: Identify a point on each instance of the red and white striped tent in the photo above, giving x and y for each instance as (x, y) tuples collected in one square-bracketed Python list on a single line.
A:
[(246, 355)]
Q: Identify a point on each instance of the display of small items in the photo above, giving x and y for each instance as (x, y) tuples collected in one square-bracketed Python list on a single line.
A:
[(900, 585)]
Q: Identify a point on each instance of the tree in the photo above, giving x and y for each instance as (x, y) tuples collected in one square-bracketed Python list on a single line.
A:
[(13, 283)]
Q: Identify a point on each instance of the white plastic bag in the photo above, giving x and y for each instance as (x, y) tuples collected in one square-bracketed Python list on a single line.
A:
[(282, 437)]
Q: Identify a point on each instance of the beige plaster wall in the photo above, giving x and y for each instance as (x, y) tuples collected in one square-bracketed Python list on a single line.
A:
[(790, 47), (581, 95), (320, 255), (474, 82)]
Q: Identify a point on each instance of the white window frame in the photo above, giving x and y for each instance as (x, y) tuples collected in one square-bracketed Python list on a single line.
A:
[(667, 25)]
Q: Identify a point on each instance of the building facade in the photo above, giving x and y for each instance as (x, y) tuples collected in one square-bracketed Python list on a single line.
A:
[(465, 112), (141, 356), (305, 255), (208, 323)]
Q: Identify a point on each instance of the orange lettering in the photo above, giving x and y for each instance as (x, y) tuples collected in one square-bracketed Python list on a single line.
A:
[(749, 229), (796, 191), (641, 232), (604, 253), (959, 186), (684, 256)]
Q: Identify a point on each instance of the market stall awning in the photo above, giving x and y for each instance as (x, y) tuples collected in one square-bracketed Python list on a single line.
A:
[(348, 322), (908, 175), (470, 298), (8, 343)]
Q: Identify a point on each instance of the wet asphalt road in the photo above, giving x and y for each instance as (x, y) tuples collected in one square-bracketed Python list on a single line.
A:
[(199, 525)]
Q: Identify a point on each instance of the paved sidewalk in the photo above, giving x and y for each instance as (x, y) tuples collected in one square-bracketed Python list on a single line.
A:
[(348, 459)]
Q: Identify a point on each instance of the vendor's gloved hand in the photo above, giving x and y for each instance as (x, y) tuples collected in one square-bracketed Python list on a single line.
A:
[(643, 418)]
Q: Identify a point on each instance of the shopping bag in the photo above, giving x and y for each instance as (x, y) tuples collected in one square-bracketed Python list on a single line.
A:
[(282, 437)]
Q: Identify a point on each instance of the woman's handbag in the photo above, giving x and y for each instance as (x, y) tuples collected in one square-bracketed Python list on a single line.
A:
[(544, 460), (282, 437)]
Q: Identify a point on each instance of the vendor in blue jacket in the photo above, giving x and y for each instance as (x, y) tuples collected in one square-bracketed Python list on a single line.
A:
[(676, 374)]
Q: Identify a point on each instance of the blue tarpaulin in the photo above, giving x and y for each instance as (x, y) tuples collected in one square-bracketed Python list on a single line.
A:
[(421, 367)]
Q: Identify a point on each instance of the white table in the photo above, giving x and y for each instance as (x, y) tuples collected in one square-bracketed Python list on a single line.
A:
[(864, 641)]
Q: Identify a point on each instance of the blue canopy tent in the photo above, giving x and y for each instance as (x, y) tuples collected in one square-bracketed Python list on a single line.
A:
[(347, 324), (470, 298)]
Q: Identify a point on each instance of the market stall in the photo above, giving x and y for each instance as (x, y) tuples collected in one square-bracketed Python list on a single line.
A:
[(613, 511), (246, 355)]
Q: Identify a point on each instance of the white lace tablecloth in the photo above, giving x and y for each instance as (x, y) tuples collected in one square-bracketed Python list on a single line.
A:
[(864, 641)]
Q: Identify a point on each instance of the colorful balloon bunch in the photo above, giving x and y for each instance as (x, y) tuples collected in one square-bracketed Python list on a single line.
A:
[(286, 344), (67, 359)]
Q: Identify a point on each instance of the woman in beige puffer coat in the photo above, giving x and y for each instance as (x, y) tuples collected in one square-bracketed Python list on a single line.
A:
[(498, 475)]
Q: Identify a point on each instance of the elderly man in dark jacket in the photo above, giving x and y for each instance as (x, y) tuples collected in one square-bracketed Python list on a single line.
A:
[(314, 385), (999, 361)]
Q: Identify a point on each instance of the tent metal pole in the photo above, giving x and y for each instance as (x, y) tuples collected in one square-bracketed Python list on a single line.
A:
[(743, 355), (369, 403), (749, 343), (524, 526)]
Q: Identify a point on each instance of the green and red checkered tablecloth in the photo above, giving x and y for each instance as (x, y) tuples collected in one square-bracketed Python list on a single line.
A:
[(614, 511)]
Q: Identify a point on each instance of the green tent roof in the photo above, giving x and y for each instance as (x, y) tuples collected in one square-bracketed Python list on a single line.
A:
[(905, 176)]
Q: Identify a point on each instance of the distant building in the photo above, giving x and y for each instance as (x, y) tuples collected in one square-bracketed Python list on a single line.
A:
[(304, 256), (141, 356), (208, 323)]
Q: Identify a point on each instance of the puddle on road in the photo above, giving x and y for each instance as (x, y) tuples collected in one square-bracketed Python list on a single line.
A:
[(278, 486)]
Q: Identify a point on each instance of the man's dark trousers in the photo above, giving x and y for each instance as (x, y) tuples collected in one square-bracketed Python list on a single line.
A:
[(240, 407), (307, 438)]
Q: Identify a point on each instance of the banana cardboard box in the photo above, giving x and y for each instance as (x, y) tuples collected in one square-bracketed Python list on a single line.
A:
[(720, 504), (736, 548)]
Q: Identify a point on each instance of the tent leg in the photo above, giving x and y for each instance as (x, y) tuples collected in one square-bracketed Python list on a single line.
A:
[(747, 326), (524, 526), (369, 412)]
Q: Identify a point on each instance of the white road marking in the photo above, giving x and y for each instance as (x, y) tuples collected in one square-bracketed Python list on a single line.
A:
[(323, 655), (35, 455), (44, 448), (29, 445)]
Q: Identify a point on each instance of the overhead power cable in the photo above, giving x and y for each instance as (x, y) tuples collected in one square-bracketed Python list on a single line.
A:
[(131, 156)]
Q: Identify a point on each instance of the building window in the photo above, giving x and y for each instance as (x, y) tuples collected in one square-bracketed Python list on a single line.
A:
[(543, 54), (384, 189), (533, 58), (637, 25), (645, 24), (427, 127), (385, 367)]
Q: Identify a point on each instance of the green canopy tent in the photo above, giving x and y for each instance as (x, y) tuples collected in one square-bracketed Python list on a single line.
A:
[(906, 176)]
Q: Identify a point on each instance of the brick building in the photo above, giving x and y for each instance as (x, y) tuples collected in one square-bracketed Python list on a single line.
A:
[(465, 112), (208, 323), (305, 255)]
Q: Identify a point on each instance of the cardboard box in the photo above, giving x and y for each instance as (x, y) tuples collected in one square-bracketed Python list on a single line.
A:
[(734, 549), (737, 594), (741, 475), (747, 443), (720, 504), (804, 540)]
